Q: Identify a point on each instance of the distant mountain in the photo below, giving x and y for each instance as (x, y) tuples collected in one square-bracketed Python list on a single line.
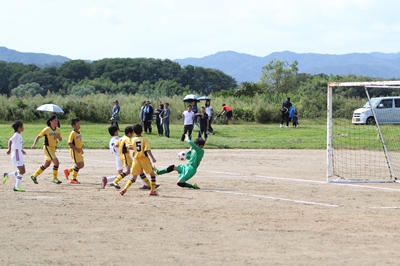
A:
[(41, 60), (244, 67)]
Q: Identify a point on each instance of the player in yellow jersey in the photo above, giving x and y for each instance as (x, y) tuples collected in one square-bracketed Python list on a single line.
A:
[(51, 135), (141, 162), (75, 151), (125, 146)]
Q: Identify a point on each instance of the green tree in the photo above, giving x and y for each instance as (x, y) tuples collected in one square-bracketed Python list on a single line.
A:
[(279, 76), (74, 70), (28, 89)]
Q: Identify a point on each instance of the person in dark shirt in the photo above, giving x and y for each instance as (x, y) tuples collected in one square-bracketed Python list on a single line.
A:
[(285, 112)]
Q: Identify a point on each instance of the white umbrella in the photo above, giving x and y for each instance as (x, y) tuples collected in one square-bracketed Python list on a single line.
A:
[(50, 108), (206, 98), (191, 98)]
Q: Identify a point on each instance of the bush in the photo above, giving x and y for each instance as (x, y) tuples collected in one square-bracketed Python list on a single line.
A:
[(244, 114)]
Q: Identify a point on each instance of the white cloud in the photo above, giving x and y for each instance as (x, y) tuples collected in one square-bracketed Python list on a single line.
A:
[(179, 28)]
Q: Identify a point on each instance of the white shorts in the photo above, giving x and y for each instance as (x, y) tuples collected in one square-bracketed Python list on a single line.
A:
[(118, 162), (17, 158)]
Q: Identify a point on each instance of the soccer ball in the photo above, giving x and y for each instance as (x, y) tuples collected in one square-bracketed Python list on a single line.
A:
[(182, 155)]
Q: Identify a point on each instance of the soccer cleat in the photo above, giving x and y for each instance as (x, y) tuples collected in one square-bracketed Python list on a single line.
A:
[(103, 182), (122, 192), (56, 181), (195, 186), (34, 180), (20, 189), (147, 187), (74, 181), (5, 178), (153, 193), (66, 173), (115, 185)]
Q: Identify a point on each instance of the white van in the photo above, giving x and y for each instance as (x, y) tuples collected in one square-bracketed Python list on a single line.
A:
[(387, 111)]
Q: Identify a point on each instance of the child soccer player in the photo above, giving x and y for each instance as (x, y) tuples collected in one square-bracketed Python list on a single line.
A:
[(124, 145), (75, 151), (51, 134), (15, 147), (187, 171), (113, 130), (141, 160)]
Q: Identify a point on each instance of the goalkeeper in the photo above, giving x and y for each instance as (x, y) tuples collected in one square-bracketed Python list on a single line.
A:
[(187, 171)]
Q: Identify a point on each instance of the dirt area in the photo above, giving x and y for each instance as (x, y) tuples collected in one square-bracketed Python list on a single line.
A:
[(255, 207)]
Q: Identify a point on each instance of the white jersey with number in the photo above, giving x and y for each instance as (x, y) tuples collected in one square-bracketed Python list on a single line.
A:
[(17, 144), (114, 150)]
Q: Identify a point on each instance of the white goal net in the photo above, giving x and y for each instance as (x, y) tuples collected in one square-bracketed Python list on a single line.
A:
[(363, 131)]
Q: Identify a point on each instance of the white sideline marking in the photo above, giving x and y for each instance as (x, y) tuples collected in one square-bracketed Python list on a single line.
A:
[(275, 198)]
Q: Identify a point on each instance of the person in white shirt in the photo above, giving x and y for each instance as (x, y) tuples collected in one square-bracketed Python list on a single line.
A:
[(16, 149), (210, 113), (188, 118)]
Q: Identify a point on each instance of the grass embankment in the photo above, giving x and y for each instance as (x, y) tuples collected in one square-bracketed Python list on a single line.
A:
[(239, 136)]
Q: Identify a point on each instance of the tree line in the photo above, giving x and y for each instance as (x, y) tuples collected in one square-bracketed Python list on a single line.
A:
[(117, 75), (75, 83)]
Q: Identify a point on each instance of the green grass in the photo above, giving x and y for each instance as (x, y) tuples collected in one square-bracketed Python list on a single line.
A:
[(310, 135)]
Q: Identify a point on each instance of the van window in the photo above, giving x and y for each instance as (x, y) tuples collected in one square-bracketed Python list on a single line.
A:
[(397, 103), (387, 103)]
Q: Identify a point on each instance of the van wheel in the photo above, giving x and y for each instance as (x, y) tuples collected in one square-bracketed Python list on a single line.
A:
[(370, 121)]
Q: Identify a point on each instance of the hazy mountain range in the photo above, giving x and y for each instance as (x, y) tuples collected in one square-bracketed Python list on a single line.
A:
[(245, 67)]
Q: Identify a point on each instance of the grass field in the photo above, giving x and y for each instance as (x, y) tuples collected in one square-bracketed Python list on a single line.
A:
[(310, 135)]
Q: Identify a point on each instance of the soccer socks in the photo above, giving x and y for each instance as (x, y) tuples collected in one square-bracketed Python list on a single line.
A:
[(111, 179), (169, 169), (153, 183), (55, 172), (141, 176), (12, 174), (129, 183), (39, 171), (18, 181), (75, 173), (145, 179), (119, 178)]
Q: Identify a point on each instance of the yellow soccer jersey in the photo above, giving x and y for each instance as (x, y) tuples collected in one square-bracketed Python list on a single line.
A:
[(140, 146), (50, 136), (75, 138), (123, 145)]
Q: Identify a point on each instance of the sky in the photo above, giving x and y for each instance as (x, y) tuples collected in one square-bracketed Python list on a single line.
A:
[(177, 29)]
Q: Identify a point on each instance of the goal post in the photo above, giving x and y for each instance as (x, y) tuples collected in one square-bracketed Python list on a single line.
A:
[(365, 148)]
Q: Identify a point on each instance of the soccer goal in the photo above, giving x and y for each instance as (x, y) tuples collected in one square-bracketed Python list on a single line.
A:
[(363, 145)]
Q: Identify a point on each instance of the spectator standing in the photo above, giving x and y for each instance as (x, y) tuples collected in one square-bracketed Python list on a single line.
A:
[(285, 112), (188, 118), (158, 112), (165, 118), (203, 122), (115, 113), (141, 113), (195, 110), (210, 113), (148, 116)]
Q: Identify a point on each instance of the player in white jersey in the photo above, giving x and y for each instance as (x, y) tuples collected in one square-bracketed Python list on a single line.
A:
[(16, 149)]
